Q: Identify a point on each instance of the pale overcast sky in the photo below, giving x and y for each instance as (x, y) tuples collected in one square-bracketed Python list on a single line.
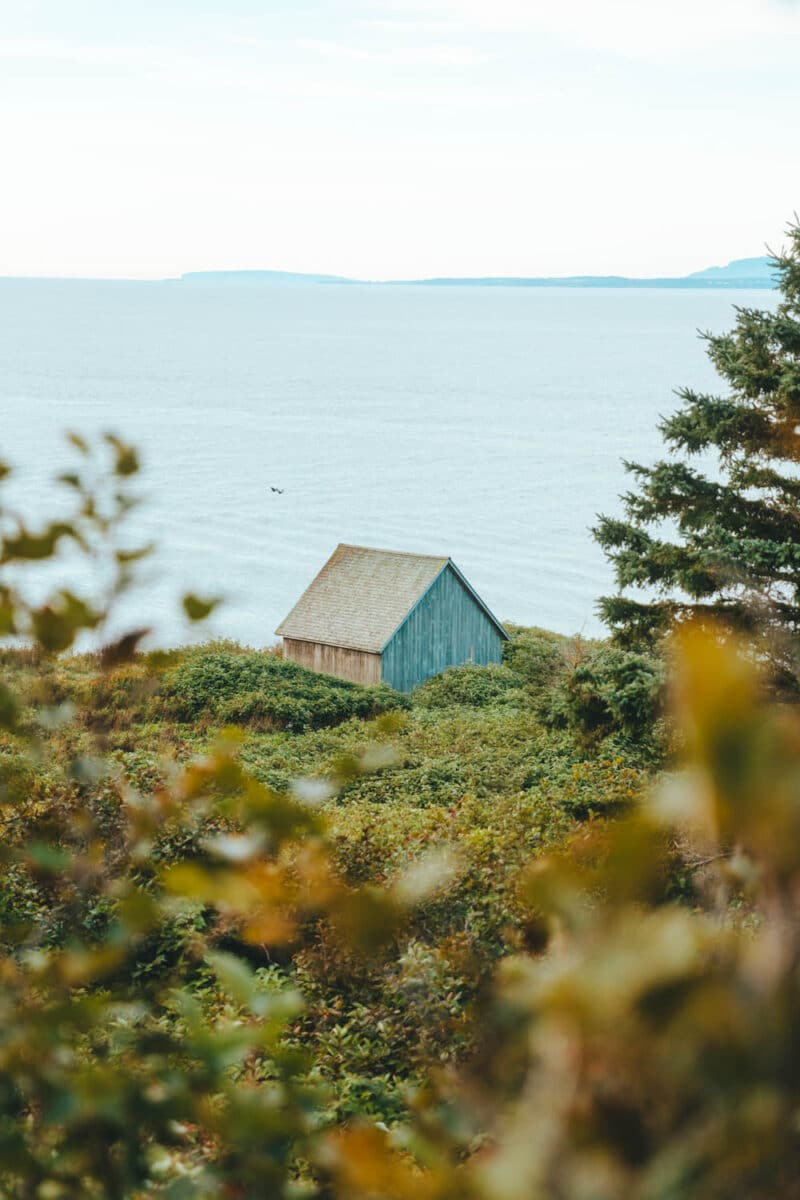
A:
[(144, 138)]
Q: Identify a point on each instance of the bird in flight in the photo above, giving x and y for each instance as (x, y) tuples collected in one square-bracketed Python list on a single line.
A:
[(280, 491)]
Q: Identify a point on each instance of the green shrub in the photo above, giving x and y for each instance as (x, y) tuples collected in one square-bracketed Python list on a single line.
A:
[(536, 655), (261, 689), (16, 779), (476, 687), (606, 690)]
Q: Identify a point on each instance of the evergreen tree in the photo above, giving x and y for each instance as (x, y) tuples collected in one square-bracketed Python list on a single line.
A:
[(724, 546)]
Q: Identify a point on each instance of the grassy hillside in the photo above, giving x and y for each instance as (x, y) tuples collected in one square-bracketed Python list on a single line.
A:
[(360, 954), (496, 764)]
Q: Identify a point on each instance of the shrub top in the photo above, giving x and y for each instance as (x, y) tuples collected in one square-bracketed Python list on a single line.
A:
[(263, 689), (476, 687)]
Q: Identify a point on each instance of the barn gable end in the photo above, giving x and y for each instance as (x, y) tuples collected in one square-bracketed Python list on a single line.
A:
[(448, 626)]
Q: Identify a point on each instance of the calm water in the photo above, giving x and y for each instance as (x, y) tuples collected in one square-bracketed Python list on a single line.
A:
[(487, 424)]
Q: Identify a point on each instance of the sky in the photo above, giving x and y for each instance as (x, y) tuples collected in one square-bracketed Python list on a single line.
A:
[(395, 138)]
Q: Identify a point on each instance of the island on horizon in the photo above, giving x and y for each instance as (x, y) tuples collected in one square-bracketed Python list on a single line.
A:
[(744, 273)]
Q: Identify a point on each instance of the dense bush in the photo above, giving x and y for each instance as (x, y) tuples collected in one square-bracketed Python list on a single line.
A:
[(591, 687), (477, 687), (536, 656), (603, 690), (249, 688)]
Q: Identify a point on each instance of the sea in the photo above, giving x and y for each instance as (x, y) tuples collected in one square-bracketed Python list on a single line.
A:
[(485, 423)]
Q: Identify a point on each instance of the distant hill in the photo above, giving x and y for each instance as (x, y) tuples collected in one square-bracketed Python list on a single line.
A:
[(740, 268), (741, 273)]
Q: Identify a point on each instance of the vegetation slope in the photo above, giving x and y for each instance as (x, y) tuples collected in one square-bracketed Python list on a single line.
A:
[(496, 764)]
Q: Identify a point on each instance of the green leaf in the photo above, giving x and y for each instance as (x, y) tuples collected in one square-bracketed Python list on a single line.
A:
[(198, 609), (130, 556), (46, 856), (126, 460), (235, 976), (70, 479), (55, 626), (34, 547), (7, 613), (122, 650)]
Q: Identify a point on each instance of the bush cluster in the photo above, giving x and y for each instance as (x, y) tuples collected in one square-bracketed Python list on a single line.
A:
[(590, 687), (476, 687), (266, 691), (604, 689)]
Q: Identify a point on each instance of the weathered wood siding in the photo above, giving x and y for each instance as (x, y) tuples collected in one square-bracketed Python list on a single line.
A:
[(445, 629), (357, 665)]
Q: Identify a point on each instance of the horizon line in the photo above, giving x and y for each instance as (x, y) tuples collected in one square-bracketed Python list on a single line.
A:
[(702, 276)]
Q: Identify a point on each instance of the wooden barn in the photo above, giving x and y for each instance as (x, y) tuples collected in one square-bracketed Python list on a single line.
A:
[(384, 616)]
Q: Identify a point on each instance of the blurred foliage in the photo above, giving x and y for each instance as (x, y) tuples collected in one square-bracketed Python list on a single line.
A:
[(645, 1047), (454, 947)]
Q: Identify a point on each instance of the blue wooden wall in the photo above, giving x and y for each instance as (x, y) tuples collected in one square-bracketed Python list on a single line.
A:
[(445, 629)]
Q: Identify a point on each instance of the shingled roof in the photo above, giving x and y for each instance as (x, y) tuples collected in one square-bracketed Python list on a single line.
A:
[(361, 597)]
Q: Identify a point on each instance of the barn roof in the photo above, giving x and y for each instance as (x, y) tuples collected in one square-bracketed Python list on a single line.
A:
[(361, 597)]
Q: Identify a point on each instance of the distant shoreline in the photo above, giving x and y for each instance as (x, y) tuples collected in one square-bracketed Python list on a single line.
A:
[(590, 284), (744, 274)]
